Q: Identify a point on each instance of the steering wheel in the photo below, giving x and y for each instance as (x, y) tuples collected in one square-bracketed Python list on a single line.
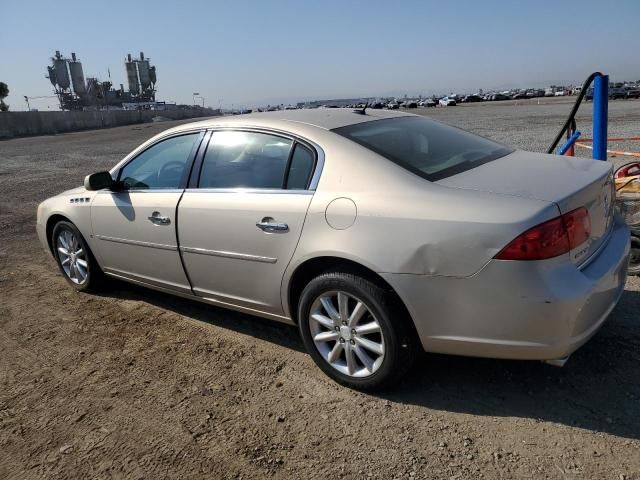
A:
[(172, 165)]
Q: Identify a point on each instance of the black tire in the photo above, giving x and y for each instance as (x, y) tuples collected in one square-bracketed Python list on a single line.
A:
[(634, 256), (400, 339), (94, 274)]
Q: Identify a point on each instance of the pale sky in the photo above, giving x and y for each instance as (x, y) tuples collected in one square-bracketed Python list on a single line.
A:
[(249, 53)]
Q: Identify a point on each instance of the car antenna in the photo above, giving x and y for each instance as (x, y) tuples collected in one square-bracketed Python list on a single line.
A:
[(363, 110)]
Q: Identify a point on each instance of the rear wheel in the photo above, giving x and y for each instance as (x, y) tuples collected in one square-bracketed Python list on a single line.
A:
[(75, 260), (355, 331), (634, 256)]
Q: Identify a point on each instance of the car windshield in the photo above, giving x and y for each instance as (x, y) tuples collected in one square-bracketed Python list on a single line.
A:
[(427, 148)]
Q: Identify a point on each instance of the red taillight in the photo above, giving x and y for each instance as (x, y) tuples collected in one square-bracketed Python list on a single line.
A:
[(551, 238), (578, 225)]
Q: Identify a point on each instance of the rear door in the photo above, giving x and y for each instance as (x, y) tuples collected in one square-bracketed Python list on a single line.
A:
[(240, 222), (135, 228)]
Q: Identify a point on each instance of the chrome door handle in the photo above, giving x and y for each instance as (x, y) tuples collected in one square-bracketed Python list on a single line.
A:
[(267, 224), (157, 219)]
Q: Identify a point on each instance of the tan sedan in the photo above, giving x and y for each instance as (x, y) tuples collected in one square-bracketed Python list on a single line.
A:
[(378, 233)]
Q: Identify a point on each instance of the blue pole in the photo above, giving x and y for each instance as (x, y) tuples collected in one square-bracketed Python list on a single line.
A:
[(600, 116), (569, 143)]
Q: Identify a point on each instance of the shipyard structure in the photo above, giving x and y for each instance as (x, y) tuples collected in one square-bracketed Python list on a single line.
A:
[(75, 93)]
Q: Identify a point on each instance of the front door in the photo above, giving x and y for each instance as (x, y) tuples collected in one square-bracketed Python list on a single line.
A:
[(135, 227), (240, 227)]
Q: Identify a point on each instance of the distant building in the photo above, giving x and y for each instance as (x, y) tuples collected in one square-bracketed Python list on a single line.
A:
[(74, 93)]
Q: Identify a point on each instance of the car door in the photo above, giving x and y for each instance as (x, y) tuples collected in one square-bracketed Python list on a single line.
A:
[(240, 224), (135, 227)]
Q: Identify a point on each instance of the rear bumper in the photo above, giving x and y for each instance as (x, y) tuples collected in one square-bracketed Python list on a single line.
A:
[(538, 310)]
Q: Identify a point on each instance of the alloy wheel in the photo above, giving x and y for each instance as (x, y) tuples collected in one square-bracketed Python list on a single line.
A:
[(72, 256), (347, 334)]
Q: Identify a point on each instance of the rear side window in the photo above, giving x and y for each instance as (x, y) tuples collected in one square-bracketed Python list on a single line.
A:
[(301, 168), (427, 148), (236, 159)]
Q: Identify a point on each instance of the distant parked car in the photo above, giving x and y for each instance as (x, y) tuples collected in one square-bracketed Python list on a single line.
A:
[(447, 102), (615, 93), (377, 105), (393, 106), (520, 96), (429, 102), (499, 96), (411, 104), (589, 94), (471, 99), (633, 93)]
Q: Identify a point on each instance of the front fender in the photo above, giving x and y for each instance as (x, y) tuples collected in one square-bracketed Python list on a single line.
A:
[(72, 205)]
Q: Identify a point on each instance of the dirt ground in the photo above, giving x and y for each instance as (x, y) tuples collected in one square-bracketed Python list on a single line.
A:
[(132, 383)]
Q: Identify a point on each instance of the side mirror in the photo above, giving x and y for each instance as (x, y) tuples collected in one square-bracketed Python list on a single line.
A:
[(98, 181)]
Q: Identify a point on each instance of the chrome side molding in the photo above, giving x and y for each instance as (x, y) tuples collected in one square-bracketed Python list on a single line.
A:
[(238, 256)]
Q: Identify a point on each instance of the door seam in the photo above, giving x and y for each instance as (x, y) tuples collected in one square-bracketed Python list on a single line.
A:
[(184, 267)]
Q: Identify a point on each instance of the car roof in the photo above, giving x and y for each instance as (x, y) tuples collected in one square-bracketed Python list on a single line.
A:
[(324, 118)]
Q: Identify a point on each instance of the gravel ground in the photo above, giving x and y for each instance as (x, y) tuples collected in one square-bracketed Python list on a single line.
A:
[(136, 384)]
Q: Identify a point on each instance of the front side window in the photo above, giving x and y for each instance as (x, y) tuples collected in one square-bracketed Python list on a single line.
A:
[(161, 166), (427, 148), (236, 159)]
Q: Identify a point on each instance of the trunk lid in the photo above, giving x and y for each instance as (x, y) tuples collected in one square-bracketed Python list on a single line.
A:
[(568, 182)]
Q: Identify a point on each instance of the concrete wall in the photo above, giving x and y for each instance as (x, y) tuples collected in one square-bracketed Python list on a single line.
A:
[(18, 124)]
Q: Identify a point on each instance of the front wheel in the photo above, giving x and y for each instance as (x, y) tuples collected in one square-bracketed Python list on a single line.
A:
[(355, 331), (74, 258)]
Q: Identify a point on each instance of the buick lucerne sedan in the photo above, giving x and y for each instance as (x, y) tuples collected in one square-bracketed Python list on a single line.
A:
[(377, 233)]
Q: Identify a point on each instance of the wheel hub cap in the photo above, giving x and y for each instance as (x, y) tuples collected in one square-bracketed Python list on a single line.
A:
[(345, 332)]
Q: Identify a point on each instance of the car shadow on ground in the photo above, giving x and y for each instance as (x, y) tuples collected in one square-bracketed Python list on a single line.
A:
[(598, 389), (258, 327)]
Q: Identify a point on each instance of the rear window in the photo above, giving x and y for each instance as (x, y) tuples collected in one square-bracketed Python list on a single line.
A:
[(427, 148)]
